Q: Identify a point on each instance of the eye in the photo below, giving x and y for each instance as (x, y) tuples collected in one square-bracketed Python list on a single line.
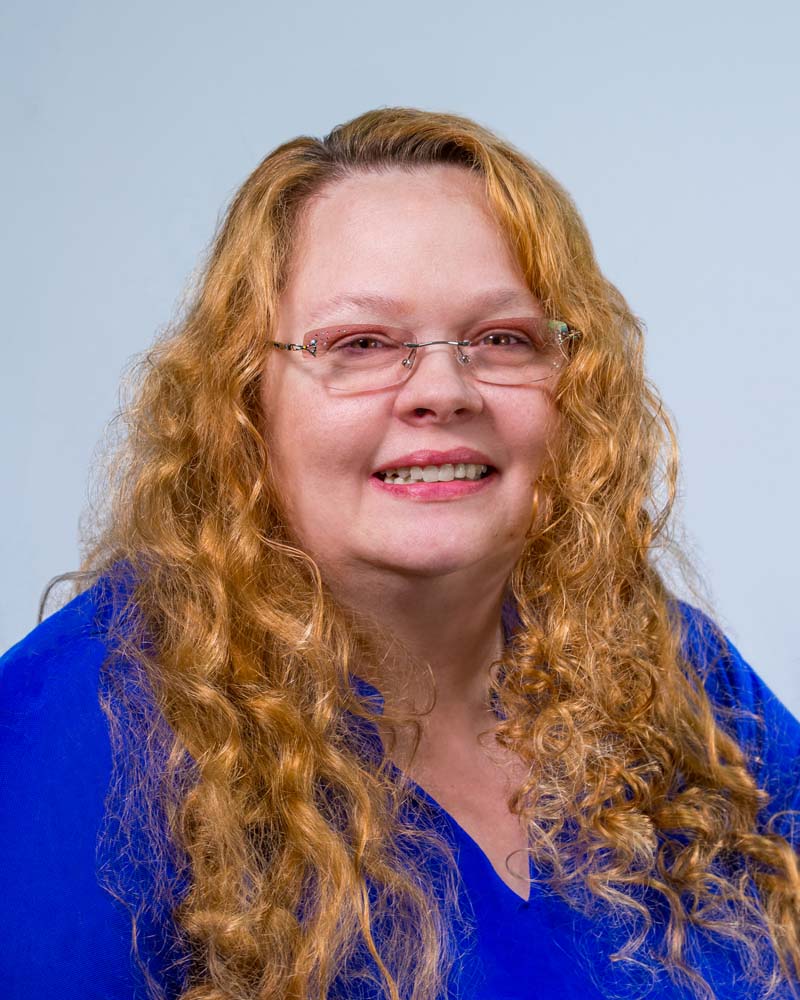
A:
[(359, 342), (363, 343), (503, 338)]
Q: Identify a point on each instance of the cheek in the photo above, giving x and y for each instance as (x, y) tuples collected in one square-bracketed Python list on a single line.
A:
[(287, 437), (320, 446), (535, 430)]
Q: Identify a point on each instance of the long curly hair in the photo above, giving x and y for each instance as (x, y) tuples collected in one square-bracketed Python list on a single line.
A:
[(280, 847)]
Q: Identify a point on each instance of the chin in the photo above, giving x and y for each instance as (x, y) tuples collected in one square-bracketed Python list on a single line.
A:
[(430, 563)]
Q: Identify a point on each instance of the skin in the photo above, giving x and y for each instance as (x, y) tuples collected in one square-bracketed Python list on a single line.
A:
[(432, 572)]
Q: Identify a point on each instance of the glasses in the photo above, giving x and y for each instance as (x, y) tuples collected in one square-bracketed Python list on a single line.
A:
[(356, 358)]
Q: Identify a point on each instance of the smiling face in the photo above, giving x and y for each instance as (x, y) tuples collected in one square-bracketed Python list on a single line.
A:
[(416, 251)]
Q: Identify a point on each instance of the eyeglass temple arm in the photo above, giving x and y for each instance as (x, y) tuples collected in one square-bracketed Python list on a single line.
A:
[(568, 333), (311, 347)]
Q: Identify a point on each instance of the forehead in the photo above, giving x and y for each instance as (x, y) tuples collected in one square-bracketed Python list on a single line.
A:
[(400, 238)]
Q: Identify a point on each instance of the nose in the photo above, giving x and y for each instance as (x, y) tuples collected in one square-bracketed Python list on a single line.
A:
[(439, 387)]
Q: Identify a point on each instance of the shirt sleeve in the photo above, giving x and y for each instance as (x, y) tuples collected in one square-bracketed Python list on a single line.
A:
[(765, 729)]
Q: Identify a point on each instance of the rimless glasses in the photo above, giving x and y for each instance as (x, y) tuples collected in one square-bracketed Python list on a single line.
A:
[(357, 358)]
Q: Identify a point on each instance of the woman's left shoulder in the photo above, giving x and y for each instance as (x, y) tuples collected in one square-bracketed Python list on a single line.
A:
[(746, 707)]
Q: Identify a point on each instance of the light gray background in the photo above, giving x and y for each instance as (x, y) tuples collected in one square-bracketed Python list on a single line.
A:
[(128, 127)]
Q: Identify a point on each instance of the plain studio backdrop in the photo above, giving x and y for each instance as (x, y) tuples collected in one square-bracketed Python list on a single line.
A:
[(128, 127)]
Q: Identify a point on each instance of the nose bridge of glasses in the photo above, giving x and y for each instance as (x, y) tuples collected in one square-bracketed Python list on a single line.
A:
[(457, 345)]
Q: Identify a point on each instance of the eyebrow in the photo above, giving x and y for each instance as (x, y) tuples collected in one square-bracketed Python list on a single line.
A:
[(497, 298)]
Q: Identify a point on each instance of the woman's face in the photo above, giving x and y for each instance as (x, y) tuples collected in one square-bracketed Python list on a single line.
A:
[(418, 251)]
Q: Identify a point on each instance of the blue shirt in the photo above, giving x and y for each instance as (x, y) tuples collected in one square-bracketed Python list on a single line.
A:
[(64, 936)]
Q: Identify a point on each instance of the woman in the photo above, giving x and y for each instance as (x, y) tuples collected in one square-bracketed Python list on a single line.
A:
[(398, 704)]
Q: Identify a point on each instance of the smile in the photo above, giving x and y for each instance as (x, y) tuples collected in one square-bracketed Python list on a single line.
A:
[(446, 473)]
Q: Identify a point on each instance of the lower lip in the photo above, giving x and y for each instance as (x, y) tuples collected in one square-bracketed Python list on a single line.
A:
[(435, 491)]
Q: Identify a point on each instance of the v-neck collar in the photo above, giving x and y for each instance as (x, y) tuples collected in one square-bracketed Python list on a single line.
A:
[(501, 890), (369, 694)]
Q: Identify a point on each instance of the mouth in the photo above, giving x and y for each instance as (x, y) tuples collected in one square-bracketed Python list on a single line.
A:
[(447, 472)]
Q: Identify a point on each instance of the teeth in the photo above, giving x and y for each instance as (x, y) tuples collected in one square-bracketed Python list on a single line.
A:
[(434, 473)]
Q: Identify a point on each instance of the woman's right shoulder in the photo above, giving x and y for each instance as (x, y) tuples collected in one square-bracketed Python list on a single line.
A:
[(59, 926), (62, 651)]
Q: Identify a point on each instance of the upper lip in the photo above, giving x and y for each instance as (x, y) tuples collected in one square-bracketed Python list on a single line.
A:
[(423, 458)]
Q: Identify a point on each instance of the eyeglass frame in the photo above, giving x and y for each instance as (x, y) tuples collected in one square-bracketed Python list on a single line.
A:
[(566, 334)]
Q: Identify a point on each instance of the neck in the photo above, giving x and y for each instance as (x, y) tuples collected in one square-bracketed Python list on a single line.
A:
[(451, 623)]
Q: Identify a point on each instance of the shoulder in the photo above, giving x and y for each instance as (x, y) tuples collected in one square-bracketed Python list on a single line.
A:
[(731, 683), (55, 762), (746, 708), (49, 702), (62, 655)]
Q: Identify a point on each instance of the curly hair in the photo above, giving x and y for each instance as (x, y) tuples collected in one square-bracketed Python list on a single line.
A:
[(280, 846)]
